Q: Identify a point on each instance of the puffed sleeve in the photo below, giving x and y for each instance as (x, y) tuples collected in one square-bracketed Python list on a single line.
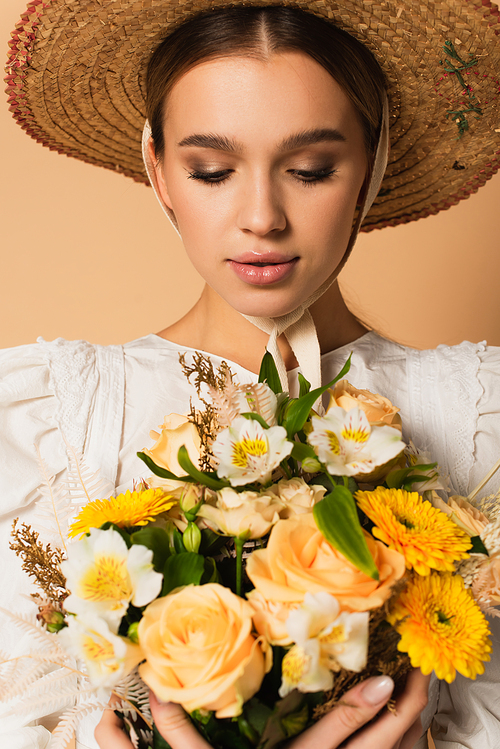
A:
[(50, 392), (466, 713)]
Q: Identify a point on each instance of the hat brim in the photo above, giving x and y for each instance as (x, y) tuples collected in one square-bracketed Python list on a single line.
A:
[(76, 83)]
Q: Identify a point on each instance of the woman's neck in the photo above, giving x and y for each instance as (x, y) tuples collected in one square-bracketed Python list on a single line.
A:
[(214, 326)]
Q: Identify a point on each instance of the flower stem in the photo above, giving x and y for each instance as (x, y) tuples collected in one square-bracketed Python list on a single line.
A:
[(238, 544)]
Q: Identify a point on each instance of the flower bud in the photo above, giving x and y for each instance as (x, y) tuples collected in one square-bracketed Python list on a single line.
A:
[(192, 538), (190, 498), (311, 465), (133, 633)]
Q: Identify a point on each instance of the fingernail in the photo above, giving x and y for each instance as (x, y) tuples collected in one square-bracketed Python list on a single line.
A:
[(378, 689)]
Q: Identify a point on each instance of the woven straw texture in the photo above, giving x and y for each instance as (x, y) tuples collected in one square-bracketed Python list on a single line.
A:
[(75, 82)]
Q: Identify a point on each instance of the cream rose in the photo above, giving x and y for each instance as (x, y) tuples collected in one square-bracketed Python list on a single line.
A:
[(298, 559), (378, 410), (176, 431), (200, 651), (238, 514), (297, 496)]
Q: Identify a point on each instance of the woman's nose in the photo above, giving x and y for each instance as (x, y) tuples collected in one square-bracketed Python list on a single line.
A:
[(262, 210)]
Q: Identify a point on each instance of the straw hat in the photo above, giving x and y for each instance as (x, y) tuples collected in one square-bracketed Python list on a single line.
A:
[(76, 68)]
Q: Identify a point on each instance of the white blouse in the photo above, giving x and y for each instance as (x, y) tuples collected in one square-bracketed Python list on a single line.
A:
[(106, 399)]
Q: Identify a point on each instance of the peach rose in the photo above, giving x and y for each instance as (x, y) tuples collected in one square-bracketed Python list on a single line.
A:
[(298, 559), (486, 585), (200, 651), (378, 410), (176, 431), (469, 518), (270, 617)]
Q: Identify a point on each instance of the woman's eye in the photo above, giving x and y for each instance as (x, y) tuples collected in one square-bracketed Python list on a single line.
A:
[(212, 178), (309, 177)]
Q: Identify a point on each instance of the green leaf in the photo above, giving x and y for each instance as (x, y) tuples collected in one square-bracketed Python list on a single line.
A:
[(396, 479), (268, 373), (211, 573), (251, 416), (305, 386), (275, 731), (477, 546), (302, 451), (257, 714), (415, 478), (162, 472), (178, 543), (299, 410), (157, 540), (337, 519), (202, 478), (182, 569)]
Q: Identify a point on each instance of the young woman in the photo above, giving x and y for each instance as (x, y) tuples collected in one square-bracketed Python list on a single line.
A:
[(267, 146)]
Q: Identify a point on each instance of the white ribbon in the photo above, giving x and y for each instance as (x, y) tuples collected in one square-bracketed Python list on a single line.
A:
[(298, 326)]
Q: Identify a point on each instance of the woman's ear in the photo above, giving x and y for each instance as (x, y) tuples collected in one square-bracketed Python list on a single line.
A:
[(159, 176)]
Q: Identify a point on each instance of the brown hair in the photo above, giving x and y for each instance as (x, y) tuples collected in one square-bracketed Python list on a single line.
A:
[(259, 32)]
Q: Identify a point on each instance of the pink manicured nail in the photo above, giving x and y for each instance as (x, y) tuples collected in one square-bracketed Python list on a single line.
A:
[(378, 689)]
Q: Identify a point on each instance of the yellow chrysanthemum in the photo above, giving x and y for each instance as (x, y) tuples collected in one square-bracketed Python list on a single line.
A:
[(125, 510), (441, 626), (425, 536)]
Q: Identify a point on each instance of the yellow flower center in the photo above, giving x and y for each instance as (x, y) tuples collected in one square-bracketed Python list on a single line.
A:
[(337, 634), (355, 435), (98, 649), (295, 665), (333, 442), (107, 580), (242, 450)]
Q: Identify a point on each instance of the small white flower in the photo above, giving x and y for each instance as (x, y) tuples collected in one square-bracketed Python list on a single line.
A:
[(248, 514), (249, 453), (325, 641), (418, 457), (104, 576), (107, 656), (346, 443)]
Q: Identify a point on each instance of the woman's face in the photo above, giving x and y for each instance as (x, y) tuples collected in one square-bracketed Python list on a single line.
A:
[(263, 166)]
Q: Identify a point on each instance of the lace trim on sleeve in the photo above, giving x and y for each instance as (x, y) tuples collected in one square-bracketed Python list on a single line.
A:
[(73, 380), (444, 391), (88, 383)]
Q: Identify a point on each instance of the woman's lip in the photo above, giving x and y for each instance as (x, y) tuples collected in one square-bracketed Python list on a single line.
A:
[(263, 275)]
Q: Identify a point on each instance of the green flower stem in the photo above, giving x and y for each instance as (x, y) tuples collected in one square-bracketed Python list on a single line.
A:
[(238, 544)]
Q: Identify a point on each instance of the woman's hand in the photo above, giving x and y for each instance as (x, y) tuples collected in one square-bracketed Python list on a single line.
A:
[(358, 707)]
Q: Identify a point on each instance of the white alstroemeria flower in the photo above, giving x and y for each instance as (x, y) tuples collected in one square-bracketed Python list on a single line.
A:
[(325, 641), (107, 656), (346, 443), (238, 514), (104, 576), (247, 452)]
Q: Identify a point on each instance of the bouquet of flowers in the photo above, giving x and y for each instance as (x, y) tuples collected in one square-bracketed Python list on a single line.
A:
[(275, 558)]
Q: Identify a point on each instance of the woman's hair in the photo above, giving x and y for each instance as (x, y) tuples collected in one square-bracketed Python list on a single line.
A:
[(258, 32)]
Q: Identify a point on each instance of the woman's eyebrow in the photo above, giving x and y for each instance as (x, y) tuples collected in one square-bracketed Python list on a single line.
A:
[(211, 140), (310, 138), (290, 143)]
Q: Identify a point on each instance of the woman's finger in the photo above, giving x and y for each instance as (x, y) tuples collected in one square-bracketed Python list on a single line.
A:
[(109, 732), (356, 708), (175, 726), (403, 728)]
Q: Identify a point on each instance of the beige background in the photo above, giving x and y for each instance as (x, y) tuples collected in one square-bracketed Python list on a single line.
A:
[(88, 254)]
